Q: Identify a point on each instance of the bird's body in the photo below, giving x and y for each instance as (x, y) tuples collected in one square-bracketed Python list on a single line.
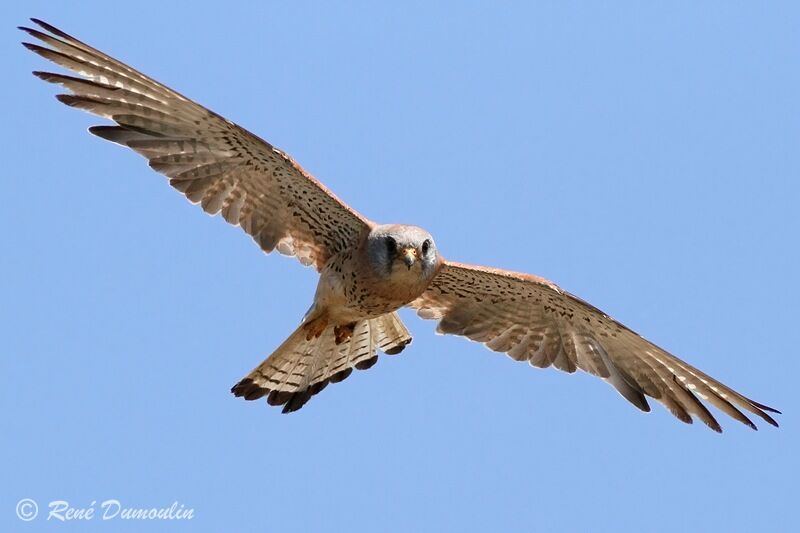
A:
[(352, 286), (367, 271)]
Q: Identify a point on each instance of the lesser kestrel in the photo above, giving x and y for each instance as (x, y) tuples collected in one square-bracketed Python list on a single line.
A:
[(367, 270)]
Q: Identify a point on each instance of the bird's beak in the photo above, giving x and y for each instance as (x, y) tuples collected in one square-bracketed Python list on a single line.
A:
[(409, 256)]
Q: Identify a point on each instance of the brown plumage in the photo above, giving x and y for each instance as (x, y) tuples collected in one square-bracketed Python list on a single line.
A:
[(367, 271)]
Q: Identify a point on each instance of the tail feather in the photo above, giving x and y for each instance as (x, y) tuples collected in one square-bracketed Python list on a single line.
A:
[(301, 368)]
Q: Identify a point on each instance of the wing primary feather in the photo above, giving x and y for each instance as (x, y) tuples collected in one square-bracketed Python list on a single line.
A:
[(116, 134), (765, 408), (531, 319), (233, 171)]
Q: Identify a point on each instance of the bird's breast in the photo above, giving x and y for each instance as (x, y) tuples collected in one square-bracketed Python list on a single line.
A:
[(356, 293)]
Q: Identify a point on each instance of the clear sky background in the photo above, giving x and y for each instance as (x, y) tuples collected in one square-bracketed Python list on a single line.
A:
[(642, 156)]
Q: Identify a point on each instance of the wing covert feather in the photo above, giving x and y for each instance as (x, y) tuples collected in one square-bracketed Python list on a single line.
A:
[(211, 160), (531, 319)]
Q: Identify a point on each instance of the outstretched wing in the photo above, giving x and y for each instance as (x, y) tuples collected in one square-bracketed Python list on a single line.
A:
[(211, 160), (531, 319)]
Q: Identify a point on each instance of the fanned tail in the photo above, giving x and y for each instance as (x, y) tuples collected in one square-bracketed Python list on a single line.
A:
[(302, 367)]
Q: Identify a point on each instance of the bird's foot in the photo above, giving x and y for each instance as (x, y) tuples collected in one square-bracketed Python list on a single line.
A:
[(343, 333), (315, 327)]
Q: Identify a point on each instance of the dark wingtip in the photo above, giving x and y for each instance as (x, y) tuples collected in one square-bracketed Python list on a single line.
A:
[(33, 32), (32, 47), (762, 412), (49, 27), (770, 420), (766, 407), (67, 99), (108, 133)]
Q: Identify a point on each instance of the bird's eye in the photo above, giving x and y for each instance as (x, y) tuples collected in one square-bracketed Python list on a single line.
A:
[(391, 245), (426, 246)]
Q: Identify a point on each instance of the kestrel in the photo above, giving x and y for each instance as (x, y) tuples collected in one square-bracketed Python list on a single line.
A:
[(367, 271)]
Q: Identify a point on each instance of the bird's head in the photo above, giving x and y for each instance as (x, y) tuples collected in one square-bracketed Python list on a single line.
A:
[(400, 250)]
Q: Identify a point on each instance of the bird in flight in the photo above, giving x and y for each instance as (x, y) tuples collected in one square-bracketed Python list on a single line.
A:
[(367, 270)]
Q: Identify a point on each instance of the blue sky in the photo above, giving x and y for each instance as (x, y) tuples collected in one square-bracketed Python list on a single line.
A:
[(642, 156)]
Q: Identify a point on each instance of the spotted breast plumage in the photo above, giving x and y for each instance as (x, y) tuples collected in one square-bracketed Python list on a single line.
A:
[(367, 271)]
